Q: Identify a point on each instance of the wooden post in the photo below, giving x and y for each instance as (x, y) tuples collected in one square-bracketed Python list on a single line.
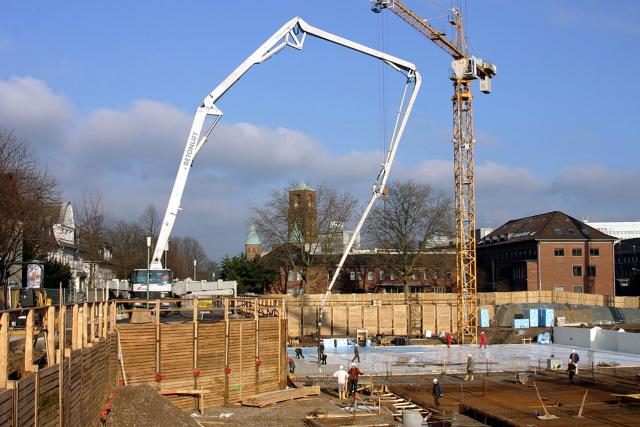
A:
[(62, 315), (28, 343), (257, 337), (158, 343), (51, 336), (75, 328), (100, 320), (83, 328), (195, 342), (92, 323), (112, 317), (226, 349), (4, 349)]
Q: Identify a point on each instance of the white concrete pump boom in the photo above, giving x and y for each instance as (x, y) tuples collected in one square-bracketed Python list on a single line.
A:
[(292, 34)]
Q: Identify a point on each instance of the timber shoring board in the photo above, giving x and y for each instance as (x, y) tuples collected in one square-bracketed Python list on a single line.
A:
[(176, 357), (264, 399), (48, 409), (6, 408), (26, 390)]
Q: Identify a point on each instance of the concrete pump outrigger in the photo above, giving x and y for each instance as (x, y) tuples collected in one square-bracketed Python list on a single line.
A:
[(292, 34)]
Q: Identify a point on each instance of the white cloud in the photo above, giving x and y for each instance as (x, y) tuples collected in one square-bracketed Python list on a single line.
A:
[(131, 156), (29, 105)]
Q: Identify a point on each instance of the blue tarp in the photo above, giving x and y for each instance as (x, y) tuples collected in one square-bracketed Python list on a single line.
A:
[(484, 318), (533, 318), (544, 338)]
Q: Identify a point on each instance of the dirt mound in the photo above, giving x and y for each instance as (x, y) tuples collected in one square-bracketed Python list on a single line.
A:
[(142, 406)]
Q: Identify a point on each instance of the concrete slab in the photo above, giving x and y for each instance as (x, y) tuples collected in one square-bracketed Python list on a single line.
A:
[(421, 360)]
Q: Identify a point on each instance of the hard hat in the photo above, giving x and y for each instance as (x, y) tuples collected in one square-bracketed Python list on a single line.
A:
[(573, 351), (435, 380), (341, 367), (469, 355), (353, 363)]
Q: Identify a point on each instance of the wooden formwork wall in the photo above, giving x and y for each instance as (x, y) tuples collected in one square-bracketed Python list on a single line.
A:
[(87, 377), (387, 313), (196, 355)]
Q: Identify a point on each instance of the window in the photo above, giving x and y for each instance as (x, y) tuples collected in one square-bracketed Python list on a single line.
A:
[(352, 275), (329, 274), (572, 231), (381, 275), (415, 275), (291, 275), (559, 288), (591, 269), (359, 275), (577, 271), (557, 231), (425, 275), (576, 252), (298, 277), (558, 252), (436, 275), (576, 289), (447, 275), (392, 276), (370, 275), (594, 252)]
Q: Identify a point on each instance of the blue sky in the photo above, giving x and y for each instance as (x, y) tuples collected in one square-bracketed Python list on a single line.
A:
[(105, 92)]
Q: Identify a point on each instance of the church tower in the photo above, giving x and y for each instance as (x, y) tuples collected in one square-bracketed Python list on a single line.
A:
[(303, 214), (252, 246)]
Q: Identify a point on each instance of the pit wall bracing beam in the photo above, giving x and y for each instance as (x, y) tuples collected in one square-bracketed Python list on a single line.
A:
[(291, 34)]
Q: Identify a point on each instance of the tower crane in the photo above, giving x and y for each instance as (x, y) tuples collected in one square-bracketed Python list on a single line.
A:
[(465, 69)]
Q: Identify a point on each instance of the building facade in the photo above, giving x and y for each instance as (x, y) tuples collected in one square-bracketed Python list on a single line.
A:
[(547, 252), (618, 229)]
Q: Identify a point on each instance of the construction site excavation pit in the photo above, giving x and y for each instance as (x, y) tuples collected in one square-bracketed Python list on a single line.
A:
[(436, 360)]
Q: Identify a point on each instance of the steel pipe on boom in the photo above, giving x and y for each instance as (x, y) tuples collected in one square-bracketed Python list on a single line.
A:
[(291, 34)]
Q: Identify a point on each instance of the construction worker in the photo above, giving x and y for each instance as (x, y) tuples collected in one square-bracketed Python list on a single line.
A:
[(354, 373), (448, 339), (437, 393), (342, 376), (356, 353), (574, 356), (571, 369), (292, 366), (299, 354), (483, 340), (471, 364)]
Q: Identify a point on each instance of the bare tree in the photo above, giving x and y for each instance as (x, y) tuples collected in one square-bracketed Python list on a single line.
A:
[(150, 222), (411, 218), (307, 253), (129, 249), (26, 193), (94, 229), (184, 250)]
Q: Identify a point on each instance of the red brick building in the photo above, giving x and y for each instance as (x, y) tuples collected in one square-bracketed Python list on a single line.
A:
[(366, 272), (550, 251)]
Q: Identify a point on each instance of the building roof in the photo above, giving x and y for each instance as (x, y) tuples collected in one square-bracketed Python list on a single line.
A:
[(301, 186), (554, 225), (252, 237)]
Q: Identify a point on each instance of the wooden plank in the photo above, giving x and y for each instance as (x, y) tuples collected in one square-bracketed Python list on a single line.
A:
[(28, 343), (264, 399), (4, 349)]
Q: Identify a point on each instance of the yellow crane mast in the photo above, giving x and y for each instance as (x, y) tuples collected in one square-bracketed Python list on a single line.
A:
[(465, 69)]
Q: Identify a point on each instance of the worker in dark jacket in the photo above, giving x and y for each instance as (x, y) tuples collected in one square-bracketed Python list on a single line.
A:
[(354, 374), (356, 353), (574, 356), (437, 393)]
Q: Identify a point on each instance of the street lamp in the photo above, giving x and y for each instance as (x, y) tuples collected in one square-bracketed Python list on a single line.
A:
[(195, 263), (148, 265)]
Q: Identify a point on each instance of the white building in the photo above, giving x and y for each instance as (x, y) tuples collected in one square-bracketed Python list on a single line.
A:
[(618, 229)]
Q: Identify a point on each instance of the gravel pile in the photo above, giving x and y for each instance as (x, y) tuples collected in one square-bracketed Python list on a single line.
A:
[(142, 406)]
